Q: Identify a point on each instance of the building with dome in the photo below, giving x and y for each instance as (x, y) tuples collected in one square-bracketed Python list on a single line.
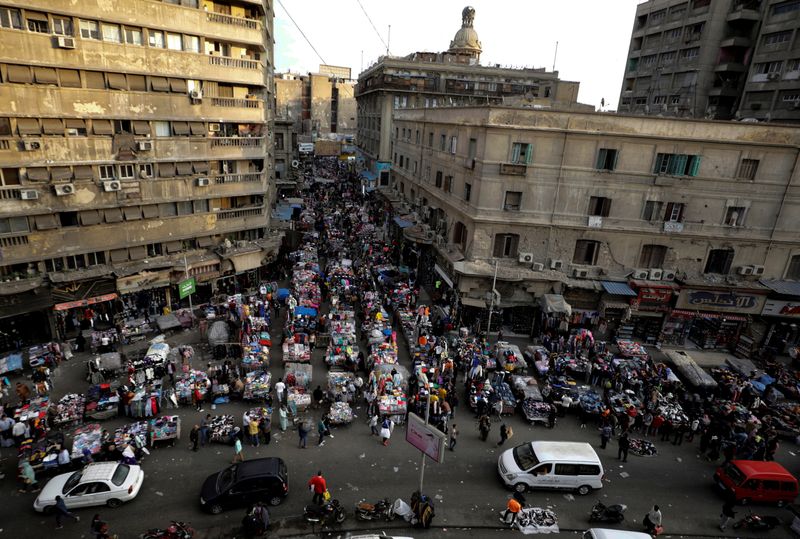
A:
[(454, 77)]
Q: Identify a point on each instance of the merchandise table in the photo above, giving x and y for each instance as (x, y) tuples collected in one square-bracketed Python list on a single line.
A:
[(132, 433), (86, 437), (340, 413), (35, 409), (163, 428), (297, 375), (298, 400), (256, 386), (185, 385), (221, 428), (69, 410)]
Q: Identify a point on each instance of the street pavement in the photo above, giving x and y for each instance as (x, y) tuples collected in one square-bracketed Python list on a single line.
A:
[(466, 488)]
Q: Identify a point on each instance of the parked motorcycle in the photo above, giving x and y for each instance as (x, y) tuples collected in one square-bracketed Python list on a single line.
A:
[(377, 511), (325, 514), (758, 523), (607, 513), (178, 530), (256, 521)]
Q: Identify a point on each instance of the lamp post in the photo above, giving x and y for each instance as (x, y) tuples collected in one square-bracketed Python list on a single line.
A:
[(427, 417), (491, 304)]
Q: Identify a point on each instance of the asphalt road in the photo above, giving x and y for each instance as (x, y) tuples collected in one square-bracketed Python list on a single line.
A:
[(466, 487)]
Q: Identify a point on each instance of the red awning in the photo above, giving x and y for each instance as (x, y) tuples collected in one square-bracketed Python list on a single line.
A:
[(84, 302), (697, 314)]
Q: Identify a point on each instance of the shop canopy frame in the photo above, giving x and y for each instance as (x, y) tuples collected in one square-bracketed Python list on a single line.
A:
[(555, 304)]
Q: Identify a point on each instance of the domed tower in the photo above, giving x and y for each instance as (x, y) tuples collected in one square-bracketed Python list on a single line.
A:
[(466, 39)]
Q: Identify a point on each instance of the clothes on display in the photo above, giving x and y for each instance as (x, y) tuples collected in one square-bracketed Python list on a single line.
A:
[(86, 437), (642, 448), (132, 433), (186, 385), (340, 413), (34, 409), (69, 410), (221, 427), (163, 428), (297, 375), (101, 402), (257, 386)]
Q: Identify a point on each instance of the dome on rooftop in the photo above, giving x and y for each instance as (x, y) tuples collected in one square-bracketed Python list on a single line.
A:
[(466, 39)]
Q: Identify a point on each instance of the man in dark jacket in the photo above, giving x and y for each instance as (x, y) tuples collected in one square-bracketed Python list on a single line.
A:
[(624, 444)]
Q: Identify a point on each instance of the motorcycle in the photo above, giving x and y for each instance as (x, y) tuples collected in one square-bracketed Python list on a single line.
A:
[(325, 514), (758, 522), (377, 511), (254, 523), (607, 513), (177, 530)]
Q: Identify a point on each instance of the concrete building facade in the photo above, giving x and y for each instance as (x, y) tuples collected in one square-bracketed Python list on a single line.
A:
[(719, 60), (133, 142), (565, 202)]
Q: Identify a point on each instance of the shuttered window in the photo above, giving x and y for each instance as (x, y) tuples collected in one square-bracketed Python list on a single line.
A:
[(28, 126), (205, 241), (167, 209), (21, 74), (37, 174), (184, 168), (46, 222), (70, 78), (150, 211), (83, 172), (119, 255), (200, 167), (141, 128), (60, 173), (138, 253), (116, 81), (180, 128), (53, 126), (132, 213), (95, 79), (137, 83), (177, 85), (197, 128), (102, 127), (45, 75), (113, 215), (75, 123), (89, 217), (159, 84), (166, 170), (174, 246)]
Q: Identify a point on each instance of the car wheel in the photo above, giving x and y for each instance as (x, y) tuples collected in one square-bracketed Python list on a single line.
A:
[(583, 490), (275, 500), (48, 509), (113, 502), (744, 501), (216, 509), (522, 488), (782, 503), (340, 516)]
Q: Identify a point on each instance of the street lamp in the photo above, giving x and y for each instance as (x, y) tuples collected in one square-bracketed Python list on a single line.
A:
[(495, 296)]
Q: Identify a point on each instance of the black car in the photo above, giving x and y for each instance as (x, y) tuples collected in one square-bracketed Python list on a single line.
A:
[(240, 485)]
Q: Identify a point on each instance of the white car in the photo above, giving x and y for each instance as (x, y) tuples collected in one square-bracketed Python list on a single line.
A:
[(99, 483)]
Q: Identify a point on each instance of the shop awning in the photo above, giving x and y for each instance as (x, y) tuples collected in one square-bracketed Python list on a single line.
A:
[(84, 302), (786, 288), (697, 314), (618, 289), (555, 303), (654, 284), (145, 280), (247, 261), (609, 304), (369, 175), (402, 223), (438, 269)]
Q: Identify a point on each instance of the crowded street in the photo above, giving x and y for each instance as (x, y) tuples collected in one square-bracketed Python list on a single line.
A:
[(328, 357)]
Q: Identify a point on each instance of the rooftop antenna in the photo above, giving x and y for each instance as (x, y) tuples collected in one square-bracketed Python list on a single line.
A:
[(388, 40), (362, 60), (555, 55)]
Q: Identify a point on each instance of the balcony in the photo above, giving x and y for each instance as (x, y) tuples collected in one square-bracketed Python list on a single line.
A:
[(513, 169), (232, 102), (736, 41), (730, 67), (743, 15), (239, 63), (240, 22), (673, 227), (238, 214), (245, 147)]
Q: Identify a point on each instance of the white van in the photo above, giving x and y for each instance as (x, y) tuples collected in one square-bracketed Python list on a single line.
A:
[(556, 465), (608, 533)]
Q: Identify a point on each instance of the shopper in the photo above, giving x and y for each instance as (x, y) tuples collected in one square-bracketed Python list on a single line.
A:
[(605, 435), (453, 437), (386, 430), (194, 436), (61, 511), (373, 425), (283, 418), (28, 476), (97, 526), (238, 455), (505, 433), (652, 521), (551, 417), (318, 486), (509, 516), (323, 430), (204, 430), (302, 432), (317, 396), (484, 426), (266, 429), (728, 512), (252, 430), (624, 444), (280, 390), (198, 398)]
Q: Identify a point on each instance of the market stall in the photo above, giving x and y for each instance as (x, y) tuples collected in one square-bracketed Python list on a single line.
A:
[(221, 429), (102, 402), (165, 428), (11, 363), (509, 357), (340, 413), (298, 399), (339, 383), (690, 372), (630, 349), (69, 410), (257, 386), (86, 437), (297, 375), (255, 357), (187, 383)]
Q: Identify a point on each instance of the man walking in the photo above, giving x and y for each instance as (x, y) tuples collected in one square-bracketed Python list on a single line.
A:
[(373, 425), (727, 512), (605, 435), (624, 443), (266, 429), (302, 432), (62, 511), (280, 388), (204, 427), (453, 437), (238, 456), (318, 486), (253, 431), (505, 434), (194, 436)]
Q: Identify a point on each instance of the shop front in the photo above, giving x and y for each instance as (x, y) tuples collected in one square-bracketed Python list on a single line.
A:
[(615, 309), (648, 309), (584, 297), (24, 308), (782, 313)]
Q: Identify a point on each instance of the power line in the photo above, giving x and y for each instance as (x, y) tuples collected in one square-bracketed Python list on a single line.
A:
[(373, 25), (303, 33)]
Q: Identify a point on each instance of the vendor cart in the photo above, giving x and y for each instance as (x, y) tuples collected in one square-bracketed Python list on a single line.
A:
[(298, 375), (536, 411), (165, 429), (257, 386), (298, 400), (509, 357)]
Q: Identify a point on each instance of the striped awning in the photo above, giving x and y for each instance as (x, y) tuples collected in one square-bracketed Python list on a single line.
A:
[(618, 289)]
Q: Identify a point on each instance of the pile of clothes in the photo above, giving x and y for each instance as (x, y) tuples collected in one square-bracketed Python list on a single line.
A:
[(340, 413), (86, 439), (69, 409), (256, 386), (537, 520), (642, 448), (221, 428), (132, 433)]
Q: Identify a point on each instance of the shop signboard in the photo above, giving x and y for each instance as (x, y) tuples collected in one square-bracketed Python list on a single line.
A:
[(426, 438), (786, 309), (84, 302), (728, 301), (653, 299), (186, 287)]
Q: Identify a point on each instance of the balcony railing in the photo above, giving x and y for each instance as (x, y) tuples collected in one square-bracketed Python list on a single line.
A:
[(236, 214), (241, 63), (5, 144), (237, 142), (236, 102), (234, 21), (10, 193), (513, 169), (249, 177)]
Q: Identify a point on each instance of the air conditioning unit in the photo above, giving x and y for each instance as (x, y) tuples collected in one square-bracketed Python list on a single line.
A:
[(526, 258), (196, 95), (556, 264), (64, 42), (72, 132), (745, 270), (30, 145), (656, 274), (295, 163), (758, 270), (202, 182), (64, 189), (773, 76), (640, 274), (29, 194), (214, 128), (112, 186), (538, 266), (668, 275), (145, 145), (580, 273)]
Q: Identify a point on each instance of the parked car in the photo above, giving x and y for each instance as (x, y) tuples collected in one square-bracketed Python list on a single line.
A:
[(99, 483), (551, 465), (240, 485)]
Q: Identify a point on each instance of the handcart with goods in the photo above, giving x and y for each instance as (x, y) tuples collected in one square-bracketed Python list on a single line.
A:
[(42, 454), (33, 410), (255, 357), (394, 405), (296, 353), (536, 411), (165, 429), (134, 434), (340, 413), (186, 385)]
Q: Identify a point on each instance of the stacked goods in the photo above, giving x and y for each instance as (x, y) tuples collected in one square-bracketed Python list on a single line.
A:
[(642, 448), (69, 409), (256, 386), (87, 437), (221, 428), (297, 375), (340, 413)]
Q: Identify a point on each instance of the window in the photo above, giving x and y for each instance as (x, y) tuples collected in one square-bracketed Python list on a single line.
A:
[(521, 153), (174, 42), (146, 170), (442, 142), (14, 225), (674, 164), (161, 129), (793, 271), (448, 184), (734, 215), (126, 172), (765, 68), (156, 38), (401, 161), (652, 210), (133, 36), (62, 26), (37, 22), (586, 252), (9, 176), (97, 258), (777, 38), (659, 100), (106, 172), (200, 206), (719, 261), (90, 29), (68, 218), (652, 256), (111, 33), (512, 201), (793, 64), (438, 182), (417, 136), (506, 245), (607, 159), (453, 144), (460, 234), (599, 206), (566, 469), (472, 148), (185, 207), (10, 18), (668, 57), (278, 141), (786, 7), (747, 169), (657, 17), (430, 140), (467, 191), (191, 43), (674, 212)]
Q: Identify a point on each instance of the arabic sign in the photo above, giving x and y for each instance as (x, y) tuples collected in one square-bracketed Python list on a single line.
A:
[(653, 299), (186, 287), (426, 438), (786, 309), (84, 302), (728, 301)]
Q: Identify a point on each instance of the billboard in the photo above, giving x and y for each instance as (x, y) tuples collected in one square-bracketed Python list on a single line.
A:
[(426, 438)]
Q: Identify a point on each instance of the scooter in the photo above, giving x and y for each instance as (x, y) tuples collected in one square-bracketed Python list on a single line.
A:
[(377, 511), (253, 524), (325, 514), (178, 530), (758, 522), (608, 513)]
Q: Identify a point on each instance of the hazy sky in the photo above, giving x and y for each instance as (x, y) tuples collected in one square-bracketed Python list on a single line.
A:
[(592, 35)]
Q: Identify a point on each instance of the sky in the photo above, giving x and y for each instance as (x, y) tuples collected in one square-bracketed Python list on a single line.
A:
[(592, 35)]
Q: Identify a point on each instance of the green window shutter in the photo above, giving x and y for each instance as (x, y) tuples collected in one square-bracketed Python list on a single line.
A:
[(601, 159), (614, 164), (677, 165), (659, 161), (515, 151), (694, 165), (528, 154)]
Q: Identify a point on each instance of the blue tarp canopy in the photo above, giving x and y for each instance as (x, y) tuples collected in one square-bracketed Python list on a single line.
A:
[(618, 289), (282, 212), (283, 293), (369, 175), (402, 223), (305, 311)]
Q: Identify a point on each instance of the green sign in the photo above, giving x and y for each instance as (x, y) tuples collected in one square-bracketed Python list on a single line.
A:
[(186, 287)]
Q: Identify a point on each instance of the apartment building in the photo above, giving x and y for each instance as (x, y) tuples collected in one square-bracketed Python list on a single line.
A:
[(686, 217), (719, 60), (451, 78), (134, 141)]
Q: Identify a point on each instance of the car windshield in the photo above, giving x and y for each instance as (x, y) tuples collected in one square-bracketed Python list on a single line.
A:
[(734, 473), (525, 457), (225, 479), (73, 480), (120, 474)]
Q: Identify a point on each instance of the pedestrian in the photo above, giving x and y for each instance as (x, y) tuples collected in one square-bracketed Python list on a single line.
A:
[(302, 432), (484, 426), (266, 429), (551, 417), (204, 429), (252, 430), (238, 456), (323, 430), (509, 516), (605, 435), (28, 476), (505, 433), (318, 486), (386, 430), (624, 443), (373, 425), (62, 511), (317, 395), (652, 521), (194, 436), (693, 429), (198, 398), (453, 437), (727, 512), (283, 418), (97, 526), (280, 389), (678, 430), (171, 372)]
